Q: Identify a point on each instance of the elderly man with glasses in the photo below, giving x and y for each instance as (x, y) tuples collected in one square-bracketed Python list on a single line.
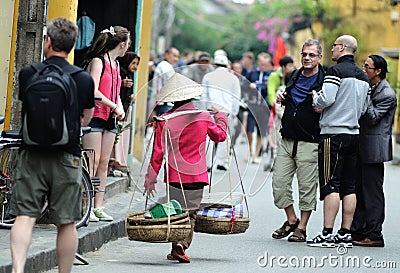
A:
[(298, 150), (344, 98)]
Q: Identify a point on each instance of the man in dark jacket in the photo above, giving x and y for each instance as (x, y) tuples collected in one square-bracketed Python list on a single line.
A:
[(344, 99), (298, 149), (375, 148)]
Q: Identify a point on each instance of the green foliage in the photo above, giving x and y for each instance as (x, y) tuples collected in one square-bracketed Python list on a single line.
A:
[(250, 29), (120, 129), (194, 29)]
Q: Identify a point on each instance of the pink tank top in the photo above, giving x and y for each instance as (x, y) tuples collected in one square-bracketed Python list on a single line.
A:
[(109, 86)]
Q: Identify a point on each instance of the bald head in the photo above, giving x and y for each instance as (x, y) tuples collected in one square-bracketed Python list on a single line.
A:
[(343, 45), (350, 43)]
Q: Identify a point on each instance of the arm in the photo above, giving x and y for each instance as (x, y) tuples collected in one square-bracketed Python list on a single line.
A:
[(217, 131), (119, 109), (155, 162), (273, 84), (327, 95), (87, 116), (377, 109), (237, 96)]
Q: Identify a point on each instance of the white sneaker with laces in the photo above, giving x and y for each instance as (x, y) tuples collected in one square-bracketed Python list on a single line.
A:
[(343, 240), (102, 215), (322, 241), (92, 217)]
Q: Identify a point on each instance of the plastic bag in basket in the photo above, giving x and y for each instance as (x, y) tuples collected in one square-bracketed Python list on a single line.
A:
[(222, 212)]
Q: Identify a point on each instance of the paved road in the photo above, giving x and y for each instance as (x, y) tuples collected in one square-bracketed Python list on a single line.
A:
[(255, 250)]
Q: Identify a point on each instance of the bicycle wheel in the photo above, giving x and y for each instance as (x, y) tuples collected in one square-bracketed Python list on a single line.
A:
[(87, 199), (7, 164)]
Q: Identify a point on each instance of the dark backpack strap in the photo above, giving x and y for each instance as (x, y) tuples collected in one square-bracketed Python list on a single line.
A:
[(101, 57), (38, 66), (72, 69), (102, 61)]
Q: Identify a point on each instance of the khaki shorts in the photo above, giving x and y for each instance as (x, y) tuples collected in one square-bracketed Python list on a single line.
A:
[(52, 176), (304, 165)]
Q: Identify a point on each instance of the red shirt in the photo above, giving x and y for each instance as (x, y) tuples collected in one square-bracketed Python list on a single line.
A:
[(187, 158)]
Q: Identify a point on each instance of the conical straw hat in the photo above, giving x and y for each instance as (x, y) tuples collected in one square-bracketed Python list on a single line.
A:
[(179, 88)]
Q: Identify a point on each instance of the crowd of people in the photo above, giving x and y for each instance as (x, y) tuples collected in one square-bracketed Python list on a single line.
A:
[(322, 130), (331, 127)]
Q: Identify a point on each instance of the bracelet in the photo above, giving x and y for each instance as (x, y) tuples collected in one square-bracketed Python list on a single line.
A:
[(114, 108)]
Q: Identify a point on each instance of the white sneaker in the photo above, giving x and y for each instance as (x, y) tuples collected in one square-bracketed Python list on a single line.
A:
[(92, 217), (102, 215)]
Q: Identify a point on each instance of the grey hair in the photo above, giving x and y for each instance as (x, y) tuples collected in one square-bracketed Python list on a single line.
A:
[(311, 42)]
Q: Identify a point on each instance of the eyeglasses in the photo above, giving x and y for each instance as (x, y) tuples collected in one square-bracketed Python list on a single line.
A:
[(338, 44), (366, 67), (305, 54)]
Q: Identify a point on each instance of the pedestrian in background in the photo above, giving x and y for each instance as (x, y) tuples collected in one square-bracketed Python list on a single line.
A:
[(375, 149), (222, 90), (129, 65), (56, 172), (247, 62), (196, 71), (240, 128), (104, 68), (277, 80), (298, 148), (343, 98), (187, 129), (164, 71), (258, 109)]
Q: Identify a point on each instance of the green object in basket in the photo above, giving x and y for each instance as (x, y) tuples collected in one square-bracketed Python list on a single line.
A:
[(161, 210)]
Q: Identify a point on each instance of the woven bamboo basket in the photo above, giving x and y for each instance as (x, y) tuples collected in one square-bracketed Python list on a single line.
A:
[(222, 226), (157, 230), (138, 219)]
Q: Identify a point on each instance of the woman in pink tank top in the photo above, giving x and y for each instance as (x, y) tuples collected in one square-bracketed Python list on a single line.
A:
[(104, 68)]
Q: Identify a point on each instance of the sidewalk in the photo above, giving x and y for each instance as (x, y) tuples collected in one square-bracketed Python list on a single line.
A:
[(42, 252)]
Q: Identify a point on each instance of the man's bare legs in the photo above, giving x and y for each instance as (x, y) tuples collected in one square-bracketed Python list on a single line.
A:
[(21, 236), (292, 217), (331, 208), (67, 244), (348, 208), (258, 149), (250, 142), (291, 214)]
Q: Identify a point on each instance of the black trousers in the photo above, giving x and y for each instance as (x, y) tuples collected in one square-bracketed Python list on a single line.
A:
[(370, 210)]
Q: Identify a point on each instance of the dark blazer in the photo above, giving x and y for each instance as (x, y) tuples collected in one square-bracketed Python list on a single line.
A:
[(376, 125)]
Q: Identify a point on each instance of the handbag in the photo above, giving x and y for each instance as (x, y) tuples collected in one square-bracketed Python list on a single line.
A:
[(111, 122)]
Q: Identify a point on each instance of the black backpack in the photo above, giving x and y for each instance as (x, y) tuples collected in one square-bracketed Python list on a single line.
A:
[(50, 106)]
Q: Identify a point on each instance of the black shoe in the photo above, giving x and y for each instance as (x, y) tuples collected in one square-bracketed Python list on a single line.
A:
[(222, 168)]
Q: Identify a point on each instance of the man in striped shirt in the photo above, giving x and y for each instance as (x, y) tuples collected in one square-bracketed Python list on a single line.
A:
[(343, 99)]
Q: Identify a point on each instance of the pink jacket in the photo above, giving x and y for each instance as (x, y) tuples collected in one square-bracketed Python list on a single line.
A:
[(187, 158)]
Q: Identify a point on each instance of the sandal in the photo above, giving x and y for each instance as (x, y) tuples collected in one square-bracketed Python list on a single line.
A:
[(299, 235), (282, 232)]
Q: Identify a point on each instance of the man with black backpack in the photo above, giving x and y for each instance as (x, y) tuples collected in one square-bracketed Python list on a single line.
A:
[(57, 98)]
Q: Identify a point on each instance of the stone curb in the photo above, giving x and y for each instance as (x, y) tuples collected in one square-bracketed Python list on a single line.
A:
[(90, 238)]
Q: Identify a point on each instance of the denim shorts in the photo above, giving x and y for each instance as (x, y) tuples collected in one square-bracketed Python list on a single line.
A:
[(98, 124)]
